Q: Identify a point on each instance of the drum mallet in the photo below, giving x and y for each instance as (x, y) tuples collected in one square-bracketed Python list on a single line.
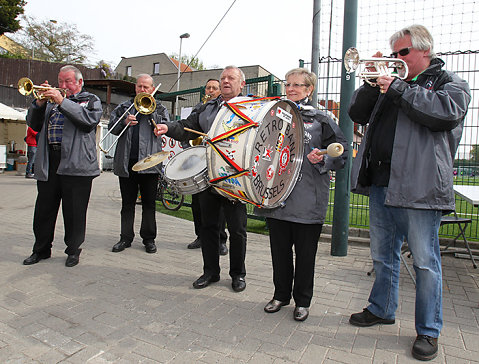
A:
[(196, 132), (333, 150)]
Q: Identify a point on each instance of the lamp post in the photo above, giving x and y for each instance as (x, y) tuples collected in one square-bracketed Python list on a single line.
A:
[(184, 35)]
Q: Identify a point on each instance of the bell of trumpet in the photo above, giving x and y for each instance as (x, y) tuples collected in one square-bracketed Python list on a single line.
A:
[(372, 68), (26, 87)]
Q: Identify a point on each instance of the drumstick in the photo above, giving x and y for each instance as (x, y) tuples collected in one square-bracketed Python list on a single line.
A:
[(195, 131), (333, 150)]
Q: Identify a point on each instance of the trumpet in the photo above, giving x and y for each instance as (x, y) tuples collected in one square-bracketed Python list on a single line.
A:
[(381, 66), (26, 87), (144, 103), (205, 98)]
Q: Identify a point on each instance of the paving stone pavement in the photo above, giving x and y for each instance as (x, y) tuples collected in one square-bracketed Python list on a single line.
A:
[(134, 307)]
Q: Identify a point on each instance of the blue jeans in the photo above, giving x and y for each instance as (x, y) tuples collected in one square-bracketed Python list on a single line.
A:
[(389, 226), (31, 151)]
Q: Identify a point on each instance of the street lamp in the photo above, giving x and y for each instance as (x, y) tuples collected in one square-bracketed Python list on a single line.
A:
[(184, 35)]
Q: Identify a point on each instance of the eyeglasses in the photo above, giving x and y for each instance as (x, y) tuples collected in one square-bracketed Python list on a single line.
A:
[(294, 85), (402, 52)]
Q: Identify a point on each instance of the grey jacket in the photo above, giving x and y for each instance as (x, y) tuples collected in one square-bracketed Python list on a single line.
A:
[(149, 143), (78, 150), (308, 201), (430, 120)]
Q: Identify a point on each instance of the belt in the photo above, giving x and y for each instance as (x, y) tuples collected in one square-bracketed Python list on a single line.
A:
[(55, 147)]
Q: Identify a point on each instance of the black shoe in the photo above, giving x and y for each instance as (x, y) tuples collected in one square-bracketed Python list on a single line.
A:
[(275, 305), (150, 247), (238, 284), (424, 348), (301, 313), (195, 245), (205, 280), (120, 246), (35, 258), (72, 260), (223, 249), (366, 318)]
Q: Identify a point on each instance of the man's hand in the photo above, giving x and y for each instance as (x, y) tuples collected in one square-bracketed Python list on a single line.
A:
[(54, 95), (160, 129), (131, 119), (384, 82), (314, 157), (370, 66)]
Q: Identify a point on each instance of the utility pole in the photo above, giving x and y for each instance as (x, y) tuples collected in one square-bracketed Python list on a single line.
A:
[(340, 233)]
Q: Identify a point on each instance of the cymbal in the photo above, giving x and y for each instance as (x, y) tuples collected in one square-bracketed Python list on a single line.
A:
[(150, 161)]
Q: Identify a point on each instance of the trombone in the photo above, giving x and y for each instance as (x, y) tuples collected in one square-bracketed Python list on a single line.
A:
[(380, 64), (144, 103), (26, 87)]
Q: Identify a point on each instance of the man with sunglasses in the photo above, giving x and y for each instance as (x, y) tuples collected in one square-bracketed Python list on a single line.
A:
[(405, 165)]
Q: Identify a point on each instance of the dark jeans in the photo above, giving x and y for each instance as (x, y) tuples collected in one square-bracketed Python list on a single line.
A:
[(31, 151), (147, 183), (235, 214), (283, 235), (74, 194), (196, 210)]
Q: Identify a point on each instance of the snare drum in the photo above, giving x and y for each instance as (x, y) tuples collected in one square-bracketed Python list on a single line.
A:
[(269, 154), (186, 171)]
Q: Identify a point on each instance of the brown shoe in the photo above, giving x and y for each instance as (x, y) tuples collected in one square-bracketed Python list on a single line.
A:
[(301, 313), (275, 305)]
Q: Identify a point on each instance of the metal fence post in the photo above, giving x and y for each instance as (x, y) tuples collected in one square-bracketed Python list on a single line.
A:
[(315, 47), (340, 228)]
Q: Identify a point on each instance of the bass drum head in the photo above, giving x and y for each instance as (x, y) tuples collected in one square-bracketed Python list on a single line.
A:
[(186, 164), (277, 154), (272, 152)]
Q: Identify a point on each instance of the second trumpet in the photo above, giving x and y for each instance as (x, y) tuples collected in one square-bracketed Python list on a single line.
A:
[(26, 87), (372, 68)]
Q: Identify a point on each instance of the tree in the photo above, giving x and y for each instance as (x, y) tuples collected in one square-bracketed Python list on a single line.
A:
[(195, 62), (9, 10), (474, 154), (105, 69), (55, 42)]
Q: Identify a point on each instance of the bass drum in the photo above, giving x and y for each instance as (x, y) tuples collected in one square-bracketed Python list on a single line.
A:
[(272, 152), (186, 171)]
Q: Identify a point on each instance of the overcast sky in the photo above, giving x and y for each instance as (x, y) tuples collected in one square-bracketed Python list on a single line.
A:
[(273, 34)]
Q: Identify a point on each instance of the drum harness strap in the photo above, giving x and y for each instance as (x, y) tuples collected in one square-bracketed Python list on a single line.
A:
[(249, 123)]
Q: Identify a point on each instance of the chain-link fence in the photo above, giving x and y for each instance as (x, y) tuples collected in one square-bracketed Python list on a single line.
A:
[(463, 63)]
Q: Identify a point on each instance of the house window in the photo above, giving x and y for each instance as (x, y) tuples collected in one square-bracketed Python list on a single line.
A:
[(156, 68), (128, 71)]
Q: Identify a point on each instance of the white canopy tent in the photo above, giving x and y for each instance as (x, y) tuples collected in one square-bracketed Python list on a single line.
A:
[(9, 113), (12, 131)]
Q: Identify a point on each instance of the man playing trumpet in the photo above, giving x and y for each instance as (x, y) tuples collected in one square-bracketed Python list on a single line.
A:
[(65, 163), (405, 165)]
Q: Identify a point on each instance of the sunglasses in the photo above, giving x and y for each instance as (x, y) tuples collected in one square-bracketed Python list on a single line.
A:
[(402, 52)]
